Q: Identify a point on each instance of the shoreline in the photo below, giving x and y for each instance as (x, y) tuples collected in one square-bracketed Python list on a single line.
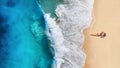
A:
[(71, 44)]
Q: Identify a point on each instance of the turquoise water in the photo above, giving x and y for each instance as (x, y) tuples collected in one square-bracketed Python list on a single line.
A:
[(49, 6), (23, 41)]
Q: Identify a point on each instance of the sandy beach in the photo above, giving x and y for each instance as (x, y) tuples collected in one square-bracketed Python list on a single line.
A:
[(104, 52)]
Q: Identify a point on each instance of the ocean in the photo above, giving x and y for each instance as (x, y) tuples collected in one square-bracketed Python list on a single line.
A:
[(23, 39), (43, 33)]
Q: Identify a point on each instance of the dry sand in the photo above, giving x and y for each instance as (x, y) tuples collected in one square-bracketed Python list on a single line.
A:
[(104, 52)]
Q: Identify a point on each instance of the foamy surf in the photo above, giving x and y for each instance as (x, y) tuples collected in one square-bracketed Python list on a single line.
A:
[(67, 37), (57, 40)]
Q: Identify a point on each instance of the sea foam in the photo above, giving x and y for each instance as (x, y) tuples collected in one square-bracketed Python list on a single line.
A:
[(66, 33)]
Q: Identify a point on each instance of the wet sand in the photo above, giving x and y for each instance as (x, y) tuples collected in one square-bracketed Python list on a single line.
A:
[(104, 52)]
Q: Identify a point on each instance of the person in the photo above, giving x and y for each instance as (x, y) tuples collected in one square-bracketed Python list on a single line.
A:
[(101, 35)]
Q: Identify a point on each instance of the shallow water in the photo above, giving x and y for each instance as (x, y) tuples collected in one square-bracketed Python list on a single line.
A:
[(73, 17), (23, 40), (49, 6)]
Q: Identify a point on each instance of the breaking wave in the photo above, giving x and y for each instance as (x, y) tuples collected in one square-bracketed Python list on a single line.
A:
[(66, 32)]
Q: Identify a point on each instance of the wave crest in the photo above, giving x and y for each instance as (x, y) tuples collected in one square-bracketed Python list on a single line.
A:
[(67, 36)]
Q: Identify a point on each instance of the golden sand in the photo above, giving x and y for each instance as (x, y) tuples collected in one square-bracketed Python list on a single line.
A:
[(104, 52)]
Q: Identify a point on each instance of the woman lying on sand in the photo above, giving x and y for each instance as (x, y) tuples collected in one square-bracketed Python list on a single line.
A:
[(101, 35)]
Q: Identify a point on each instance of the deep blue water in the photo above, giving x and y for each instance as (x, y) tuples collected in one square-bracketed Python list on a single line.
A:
[(23, 41)]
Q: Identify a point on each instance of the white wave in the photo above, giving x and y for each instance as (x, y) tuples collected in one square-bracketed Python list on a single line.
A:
[(67, 36), (57, 40)]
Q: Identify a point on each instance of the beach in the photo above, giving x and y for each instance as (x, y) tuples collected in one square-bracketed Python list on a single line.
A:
[(103, 52)]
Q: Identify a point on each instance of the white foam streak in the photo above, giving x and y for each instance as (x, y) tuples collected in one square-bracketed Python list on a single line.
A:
[(68, 37), (56, 37)]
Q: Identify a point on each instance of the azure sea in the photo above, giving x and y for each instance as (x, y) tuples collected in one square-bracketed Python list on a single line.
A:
[(23, 39)]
